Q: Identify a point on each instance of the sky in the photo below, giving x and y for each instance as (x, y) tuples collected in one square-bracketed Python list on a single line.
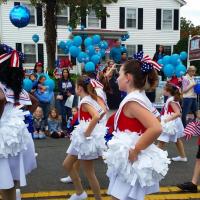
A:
[(192, 11)]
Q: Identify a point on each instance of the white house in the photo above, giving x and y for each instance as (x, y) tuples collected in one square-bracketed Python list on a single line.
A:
[(148, 22)]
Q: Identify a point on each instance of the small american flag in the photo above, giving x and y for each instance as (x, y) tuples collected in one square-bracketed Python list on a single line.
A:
[(192, 129)]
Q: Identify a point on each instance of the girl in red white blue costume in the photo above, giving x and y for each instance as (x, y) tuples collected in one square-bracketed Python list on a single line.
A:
[(135, 164), (17, 153), (171, 121), (87, 140)]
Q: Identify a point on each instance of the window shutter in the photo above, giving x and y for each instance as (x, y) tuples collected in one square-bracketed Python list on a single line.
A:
[(158, 19), (39, 15), (19, 47), (73, 60), (122, 17), (157, 47), (16, 3), (140, 47), (176, 19), (103, 20), (83, 19), (40, 53), (140, 18)]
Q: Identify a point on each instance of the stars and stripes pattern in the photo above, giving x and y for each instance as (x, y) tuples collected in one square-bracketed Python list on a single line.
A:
[(148, 63), (14, 62), (192, 129), (96, 84)]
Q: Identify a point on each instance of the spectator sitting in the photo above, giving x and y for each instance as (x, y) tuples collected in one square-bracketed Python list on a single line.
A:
[(72, 121), (54, 124), (33, 78), (38, 124)]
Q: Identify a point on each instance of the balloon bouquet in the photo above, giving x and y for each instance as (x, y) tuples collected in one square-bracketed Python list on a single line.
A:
[(95, 50), (173, 66)]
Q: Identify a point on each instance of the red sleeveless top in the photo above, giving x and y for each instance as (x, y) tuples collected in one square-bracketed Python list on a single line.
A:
[(125, 123), (84, 115)]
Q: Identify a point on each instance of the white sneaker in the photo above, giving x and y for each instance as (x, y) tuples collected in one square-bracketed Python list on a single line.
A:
[(36, 154), (79, 197), (66, 180), (179, 159)]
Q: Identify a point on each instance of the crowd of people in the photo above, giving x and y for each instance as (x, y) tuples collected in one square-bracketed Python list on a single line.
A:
[(131, 141)]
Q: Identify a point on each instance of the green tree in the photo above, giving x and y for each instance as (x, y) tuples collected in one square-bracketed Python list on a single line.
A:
[(78, 8), (187, 28)]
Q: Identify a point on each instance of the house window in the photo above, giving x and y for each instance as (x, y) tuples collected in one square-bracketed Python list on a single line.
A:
[(93, 21), (168, 49), (30, 53), (131, 14), (167, 19), (60, 53), (63, 17), (32, 13), (131, 49)]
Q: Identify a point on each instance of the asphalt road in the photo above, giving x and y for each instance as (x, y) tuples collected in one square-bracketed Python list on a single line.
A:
[(53, 151)]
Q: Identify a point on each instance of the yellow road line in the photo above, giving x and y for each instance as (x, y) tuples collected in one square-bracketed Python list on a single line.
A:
[(166, 193), (103, 192)]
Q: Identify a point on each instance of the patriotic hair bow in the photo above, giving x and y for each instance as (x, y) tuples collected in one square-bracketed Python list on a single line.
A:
[(93, 82), (86, 81), (96, 84), (11, 53), (147, 63), (14, 62)]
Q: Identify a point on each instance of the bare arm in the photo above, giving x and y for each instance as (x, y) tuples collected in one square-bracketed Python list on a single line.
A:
[(176, 113), (95, 118), (34, 105), (2, 102)]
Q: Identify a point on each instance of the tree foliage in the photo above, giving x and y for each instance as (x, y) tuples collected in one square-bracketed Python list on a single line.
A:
[(187, 28), (78, 9)]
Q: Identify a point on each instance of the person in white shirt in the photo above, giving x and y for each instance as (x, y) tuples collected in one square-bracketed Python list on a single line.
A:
[(189, 96)]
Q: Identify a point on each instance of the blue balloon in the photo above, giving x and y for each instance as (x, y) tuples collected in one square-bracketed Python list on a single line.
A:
[(197, 88), (27, 84), (123, 38), (160, 62), (74, 51), (166, 60), (103, 52), (168, 70), (88, 41), (82, 57), (123, 49), (35, 38), (50, 84), (69, 28), (89, 67), (174, 59), (69, 43), (20, 16), (127, 36), (180, 70), (95, 59), (62, 45), (90, 50), (43, 74), (103, 45), (183, 55), (96, 39), (77, 40)]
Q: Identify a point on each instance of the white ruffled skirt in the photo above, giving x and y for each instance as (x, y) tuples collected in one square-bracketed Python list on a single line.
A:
[(133, 180), (17, 152), (87, 148), (172, 130)]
